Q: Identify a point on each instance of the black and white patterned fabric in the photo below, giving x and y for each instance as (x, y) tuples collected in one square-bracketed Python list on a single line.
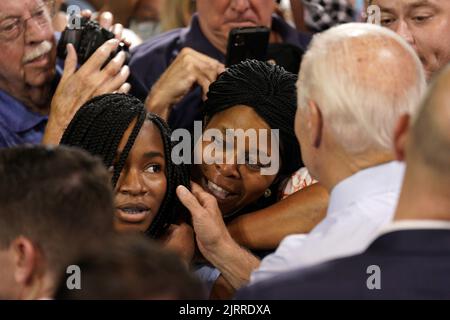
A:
[(324, 14)]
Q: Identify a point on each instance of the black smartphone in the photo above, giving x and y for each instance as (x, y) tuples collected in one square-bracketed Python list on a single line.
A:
[(247, 43)]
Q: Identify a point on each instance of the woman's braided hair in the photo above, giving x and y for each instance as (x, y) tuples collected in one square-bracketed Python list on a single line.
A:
[(98, 127)]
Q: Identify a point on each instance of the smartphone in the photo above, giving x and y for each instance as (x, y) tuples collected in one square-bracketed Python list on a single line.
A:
[(247, 43)]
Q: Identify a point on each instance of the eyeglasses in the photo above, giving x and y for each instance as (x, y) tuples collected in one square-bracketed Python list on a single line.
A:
[(13, 27)]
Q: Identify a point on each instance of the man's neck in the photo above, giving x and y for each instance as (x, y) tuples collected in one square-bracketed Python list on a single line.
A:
[(423, 197), (36, 99), (344, 166), (39, 289)]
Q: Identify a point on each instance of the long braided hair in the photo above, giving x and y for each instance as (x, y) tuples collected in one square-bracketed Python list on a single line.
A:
[(271, 91), (98, 127)]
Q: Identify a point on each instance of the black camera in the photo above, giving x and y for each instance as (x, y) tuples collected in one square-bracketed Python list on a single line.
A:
[(86, 39)]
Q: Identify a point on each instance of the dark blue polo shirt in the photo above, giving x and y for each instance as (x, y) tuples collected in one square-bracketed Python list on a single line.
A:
[(18, 125), (152, 58)]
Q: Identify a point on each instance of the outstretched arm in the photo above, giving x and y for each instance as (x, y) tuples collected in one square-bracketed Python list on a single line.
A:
[(297, 214)]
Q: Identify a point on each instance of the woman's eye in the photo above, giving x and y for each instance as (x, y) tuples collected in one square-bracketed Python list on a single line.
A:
[(255, 165), (154, 168)]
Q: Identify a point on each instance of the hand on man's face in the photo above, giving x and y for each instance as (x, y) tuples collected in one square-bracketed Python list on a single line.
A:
[(425, 27)]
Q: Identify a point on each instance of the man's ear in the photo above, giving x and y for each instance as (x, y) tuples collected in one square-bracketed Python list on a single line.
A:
[(25, 260), (401, 136), (315, 124)]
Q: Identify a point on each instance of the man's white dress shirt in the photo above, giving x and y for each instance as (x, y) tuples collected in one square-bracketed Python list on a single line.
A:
[(359, 207)]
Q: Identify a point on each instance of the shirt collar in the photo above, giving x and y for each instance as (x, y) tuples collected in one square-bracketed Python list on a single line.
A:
[(402, 225), (414, 238), (16, 115), (379, 179)]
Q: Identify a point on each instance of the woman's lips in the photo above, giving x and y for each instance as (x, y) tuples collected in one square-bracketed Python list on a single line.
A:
[(217, 191), (133, 213)]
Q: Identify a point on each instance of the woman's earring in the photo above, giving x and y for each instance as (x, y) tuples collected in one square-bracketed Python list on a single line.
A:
[(267, 193)]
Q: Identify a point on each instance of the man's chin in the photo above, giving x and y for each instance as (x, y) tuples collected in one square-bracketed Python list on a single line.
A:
[(39, 78)]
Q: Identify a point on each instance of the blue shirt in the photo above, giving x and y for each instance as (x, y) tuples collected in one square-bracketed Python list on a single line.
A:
[(151, 59), (18, 124)]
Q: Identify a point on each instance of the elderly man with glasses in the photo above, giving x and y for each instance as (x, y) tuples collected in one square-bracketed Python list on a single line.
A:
[(29, 76)]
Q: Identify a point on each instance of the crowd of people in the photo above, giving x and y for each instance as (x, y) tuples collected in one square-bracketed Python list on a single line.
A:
[(359, 136)]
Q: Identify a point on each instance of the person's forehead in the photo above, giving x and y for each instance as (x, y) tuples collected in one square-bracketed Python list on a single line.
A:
[(248, 118), (406, 5), (149, 138), (8, 7)]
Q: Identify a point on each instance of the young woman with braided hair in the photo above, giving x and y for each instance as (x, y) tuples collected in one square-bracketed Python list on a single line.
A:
[(136, 147)]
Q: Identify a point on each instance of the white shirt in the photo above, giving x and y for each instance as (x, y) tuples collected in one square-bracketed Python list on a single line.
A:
[(359, 207), (405, 225)]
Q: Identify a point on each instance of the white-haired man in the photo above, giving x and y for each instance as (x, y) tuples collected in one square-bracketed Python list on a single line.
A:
[(410, 258), (356, 81)]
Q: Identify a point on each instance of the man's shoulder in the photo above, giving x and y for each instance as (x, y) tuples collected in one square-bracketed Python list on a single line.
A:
[(149, 60), (157, 45), (307, 283), (403, 262)]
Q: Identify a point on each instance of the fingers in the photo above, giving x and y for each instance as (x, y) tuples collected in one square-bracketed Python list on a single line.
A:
[(188, 200), (117, 29), (221, 68), (100, 56), (115, 65), (117, 83), (204, 198), (204, 84), (70, 64), (106, 20), (86, 13), (125, 88), (205, 69)]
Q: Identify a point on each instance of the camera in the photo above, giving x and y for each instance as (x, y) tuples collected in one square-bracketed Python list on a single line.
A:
[(87, 39)]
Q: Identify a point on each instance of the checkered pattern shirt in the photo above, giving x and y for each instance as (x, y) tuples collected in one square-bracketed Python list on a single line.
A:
[(324, 14)]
